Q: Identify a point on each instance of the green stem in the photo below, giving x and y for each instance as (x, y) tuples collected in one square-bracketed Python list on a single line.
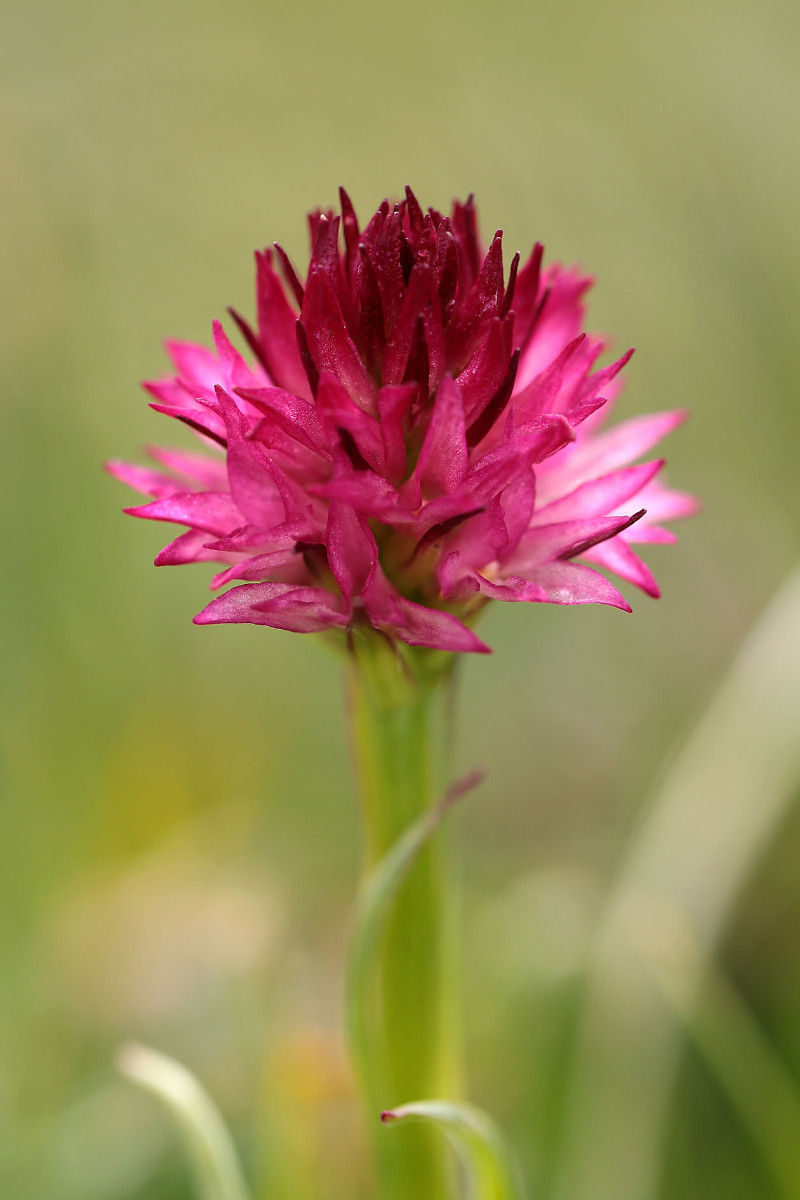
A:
[(394, 699)]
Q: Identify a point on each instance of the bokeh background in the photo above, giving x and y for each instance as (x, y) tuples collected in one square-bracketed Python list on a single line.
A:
[(179, 842)]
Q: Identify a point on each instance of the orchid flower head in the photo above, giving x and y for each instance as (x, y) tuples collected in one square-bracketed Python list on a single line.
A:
[(407, 432)]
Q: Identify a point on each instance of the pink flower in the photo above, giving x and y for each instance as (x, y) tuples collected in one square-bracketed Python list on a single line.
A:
[(413, 436)]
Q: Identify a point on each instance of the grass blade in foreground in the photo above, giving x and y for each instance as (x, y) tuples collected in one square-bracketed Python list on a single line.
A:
[(490, 1163), (212, 1156), (757, 1082)]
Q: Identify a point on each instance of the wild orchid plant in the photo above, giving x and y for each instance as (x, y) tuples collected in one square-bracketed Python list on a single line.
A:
[(413, 435)]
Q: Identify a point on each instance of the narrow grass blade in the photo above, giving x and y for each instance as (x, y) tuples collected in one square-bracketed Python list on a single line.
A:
[(757, 1082), (719, 805), (212, 1157), (490, 1164)]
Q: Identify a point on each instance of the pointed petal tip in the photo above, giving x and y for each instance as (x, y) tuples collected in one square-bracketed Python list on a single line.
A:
[(388, 1116), (208, 615)]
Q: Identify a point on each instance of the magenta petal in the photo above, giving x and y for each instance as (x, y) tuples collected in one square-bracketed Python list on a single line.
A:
[(465, 228), (382, 602), (290, 276), (393, 404), (359, 433), (251, 539), (385, 251), (250, 474), (234, 370), (496, 469), (350, 230), (442, 463), (303, 610), (169, 390), (651, 535), (667, 504), (280, 605), (363, 490), (527, 294), (621, 445), (190, 547), (542, 394), (544, 436), (570, 583), (257, 567), (329, 343), (144, 479), (197, 366), (201, 420), (558, 319), (440, 630), (599, 382), (662, 504), (292, 414), (276, 329), (420, 303), (324, 253), (564, 539), (210, 473), (491, 413), (484, 302), (486, 370), (513, 590), (556, 583), (517, 502), (455, 577), (587, 408), (481, 538), (352, 551), (600, 496), (370, 318), (214, 512), (615, 555)]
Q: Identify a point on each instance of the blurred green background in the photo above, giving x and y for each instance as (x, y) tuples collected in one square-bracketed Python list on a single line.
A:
[(179, 843)]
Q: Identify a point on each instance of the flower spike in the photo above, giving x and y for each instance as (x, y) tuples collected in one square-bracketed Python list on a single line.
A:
[(429, 426)]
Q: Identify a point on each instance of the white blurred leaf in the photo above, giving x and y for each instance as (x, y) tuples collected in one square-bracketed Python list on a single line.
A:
[(490, 1165), (212, 1156)]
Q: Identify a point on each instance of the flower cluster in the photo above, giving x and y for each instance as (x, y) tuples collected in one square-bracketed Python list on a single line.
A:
[(414, 435)]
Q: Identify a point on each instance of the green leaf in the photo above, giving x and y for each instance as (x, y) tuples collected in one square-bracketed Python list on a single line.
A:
[(212, 1156), (490, 1163), (372, 910)]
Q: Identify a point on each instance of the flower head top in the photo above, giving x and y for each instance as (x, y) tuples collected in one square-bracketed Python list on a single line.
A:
[(415, 433)]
